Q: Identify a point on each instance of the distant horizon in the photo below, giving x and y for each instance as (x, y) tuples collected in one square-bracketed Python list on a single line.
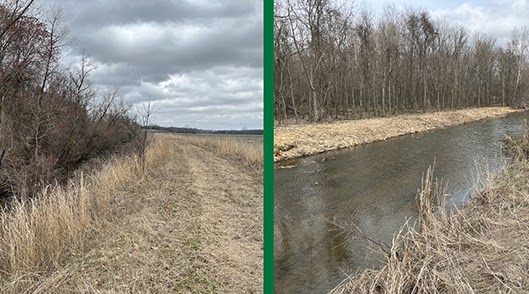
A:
[(207, 129)]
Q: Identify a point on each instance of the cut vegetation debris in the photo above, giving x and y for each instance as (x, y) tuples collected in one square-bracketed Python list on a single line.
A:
[(191, 224), (309, 139), (482, 248)]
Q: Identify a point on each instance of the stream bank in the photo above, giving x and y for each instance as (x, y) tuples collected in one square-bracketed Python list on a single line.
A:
[(480, 249), (308, 139)]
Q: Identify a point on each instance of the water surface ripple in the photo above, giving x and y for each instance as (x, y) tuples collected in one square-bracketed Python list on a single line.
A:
[(372, 187)]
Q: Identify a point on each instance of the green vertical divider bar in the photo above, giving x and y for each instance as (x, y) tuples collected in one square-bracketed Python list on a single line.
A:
[(268, 99)]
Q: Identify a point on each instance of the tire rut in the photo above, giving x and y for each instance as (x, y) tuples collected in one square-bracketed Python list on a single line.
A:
[(232, 217)]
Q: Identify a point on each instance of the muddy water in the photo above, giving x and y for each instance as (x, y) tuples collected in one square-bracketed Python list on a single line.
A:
[(373, 188)]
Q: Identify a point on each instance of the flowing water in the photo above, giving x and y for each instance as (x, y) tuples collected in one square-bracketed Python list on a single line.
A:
[(320, 199)]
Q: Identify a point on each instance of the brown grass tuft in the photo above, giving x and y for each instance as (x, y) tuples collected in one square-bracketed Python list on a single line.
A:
[(37, 234), (481, 248)]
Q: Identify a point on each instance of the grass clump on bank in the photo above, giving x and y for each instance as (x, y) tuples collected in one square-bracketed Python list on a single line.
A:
[(481, 248), (36, 235)]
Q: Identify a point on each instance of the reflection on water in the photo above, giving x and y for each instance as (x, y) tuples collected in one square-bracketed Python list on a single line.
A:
[(372, 187)]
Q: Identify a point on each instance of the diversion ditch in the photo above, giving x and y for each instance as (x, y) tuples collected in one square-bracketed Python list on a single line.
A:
[(321, 199)]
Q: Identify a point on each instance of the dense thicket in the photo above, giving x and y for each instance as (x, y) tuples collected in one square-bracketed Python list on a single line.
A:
[(334, 61), (51, 118)]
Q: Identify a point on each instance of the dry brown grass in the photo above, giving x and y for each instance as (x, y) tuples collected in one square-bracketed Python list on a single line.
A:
[(482, 248), (249, 152), (194, 226), (37, 235), (308, 139)]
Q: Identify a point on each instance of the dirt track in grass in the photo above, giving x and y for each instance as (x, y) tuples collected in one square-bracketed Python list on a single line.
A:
[(314, 138), (196, 227)]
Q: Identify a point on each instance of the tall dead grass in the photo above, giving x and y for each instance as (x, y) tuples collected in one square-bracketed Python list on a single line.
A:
[(249, 152), (481, 248), (37, 234)]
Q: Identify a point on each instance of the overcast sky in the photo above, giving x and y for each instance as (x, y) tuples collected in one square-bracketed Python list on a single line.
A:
[(199, 61), (493, 17)]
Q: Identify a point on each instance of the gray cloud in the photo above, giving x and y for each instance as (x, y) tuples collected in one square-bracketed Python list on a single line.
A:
[(120, 12), (224, 96), (496, 18), (198, 59)]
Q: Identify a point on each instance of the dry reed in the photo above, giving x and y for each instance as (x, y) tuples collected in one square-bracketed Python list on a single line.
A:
[(481, 248), (38, 234)]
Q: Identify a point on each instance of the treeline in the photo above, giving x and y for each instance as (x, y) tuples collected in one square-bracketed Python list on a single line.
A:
[(338, 62), (52, 119), (201, 131)]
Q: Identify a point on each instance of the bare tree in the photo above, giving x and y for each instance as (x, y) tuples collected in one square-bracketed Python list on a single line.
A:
[(51, 118), (145, 119), (336, 61)]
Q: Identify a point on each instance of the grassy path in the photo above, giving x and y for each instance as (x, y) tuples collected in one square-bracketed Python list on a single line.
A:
[(232, 247), (194, 228)]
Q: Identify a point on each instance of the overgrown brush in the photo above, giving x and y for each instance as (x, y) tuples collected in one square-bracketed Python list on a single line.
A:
[(52, 118), (38, 233), (481, 248)]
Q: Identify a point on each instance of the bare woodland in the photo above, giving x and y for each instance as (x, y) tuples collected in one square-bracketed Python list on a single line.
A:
[(339, 61), (52, 118)]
